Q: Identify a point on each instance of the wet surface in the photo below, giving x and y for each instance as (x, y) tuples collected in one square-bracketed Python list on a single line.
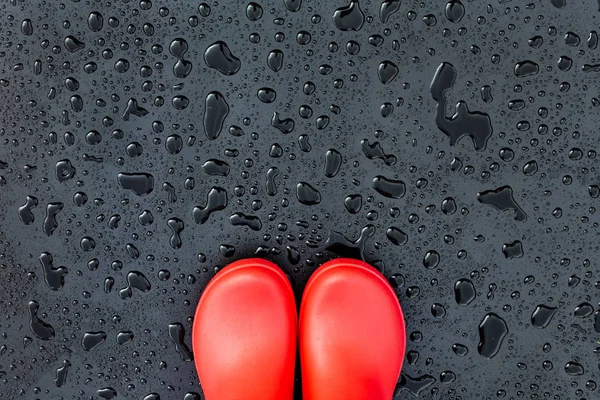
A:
[(451, 144)]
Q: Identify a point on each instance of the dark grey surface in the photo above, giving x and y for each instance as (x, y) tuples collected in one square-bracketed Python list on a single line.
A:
[(507, 210)]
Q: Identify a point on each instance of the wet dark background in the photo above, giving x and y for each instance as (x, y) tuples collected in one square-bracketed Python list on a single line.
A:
[(452, 145)]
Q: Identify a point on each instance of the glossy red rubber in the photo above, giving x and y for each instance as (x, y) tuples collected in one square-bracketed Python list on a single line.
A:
[(244, 333), (352, 334)]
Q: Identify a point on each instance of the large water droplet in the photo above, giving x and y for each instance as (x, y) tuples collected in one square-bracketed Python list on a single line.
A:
[(306, 194), (464, 292), (387, 71), (396, 236), (275, 60), (476, 125), (91, 340), (333, 161), (391, 188), (72, 44), (219, 56), (182, 67), (526, 68), (454, 11), (139, 183), (349, 18), (216, 110), (40, 329), (542, 315), (492, 331), (387, 8), (95, 21)]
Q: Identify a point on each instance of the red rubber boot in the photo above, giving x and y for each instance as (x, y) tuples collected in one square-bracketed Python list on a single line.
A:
[(352, 337), (244, 333)]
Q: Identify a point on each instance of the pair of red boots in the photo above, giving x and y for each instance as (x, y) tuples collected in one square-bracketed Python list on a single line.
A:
[(351, 334)]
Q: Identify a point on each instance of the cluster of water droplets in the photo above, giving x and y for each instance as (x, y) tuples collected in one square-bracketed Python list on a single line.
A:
[(450, 144)]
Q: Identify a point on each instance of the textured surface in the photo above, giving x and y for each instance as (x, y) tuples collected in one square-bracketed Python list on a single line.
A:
[(145, 144)]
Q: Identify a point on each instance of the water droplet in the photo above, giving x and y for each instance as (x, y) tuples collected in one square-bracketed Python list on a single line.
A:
[(454, 11), (349, 18), (76, 103), (216, 110), (502, 199), (414, 386), (353, 203), (275, 60), (592, 40), (40, 329), (542, 315), (64, 170), (526, 68), (180, 102), (254, 11), (241, 219), (374, 151), (176, 226), (486, 93), (564, 63), (304, 144), (464, 292), (72, 44), (574, 369), (146, 218), (174, 144), (60, 377), (431, 259), (391, 188), (333, 162), (216, 200), (92, 340), (396, 236), (387, 71), (516, 105), (284, 125), (447, 377), (182, 67), (344, 247), (266, 95), (293, 5), (387, 8), (50, 223), (122, 65), (27, 27), (219, 56), (513, 250), (306, 194), (476, 125), (95, 21), (107, 393), (492, 331), (216, 167), (460, 350), (135, 280), (438, 311), (139, 183), (572, 39), (124, 337), (430, 20), (583, 310), (25, 213), (177, 334), (448, 206)]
